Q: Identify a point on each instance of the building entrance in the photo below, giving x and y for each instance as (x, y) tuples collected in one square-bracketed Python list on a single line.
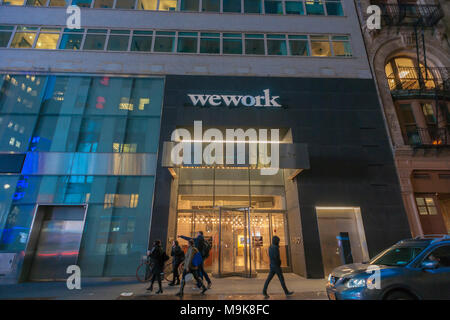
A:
[(240, 235)]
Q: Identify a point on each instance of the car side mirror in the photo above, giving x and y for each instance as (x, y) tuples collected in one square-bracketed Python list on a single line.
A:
[(429, 264)]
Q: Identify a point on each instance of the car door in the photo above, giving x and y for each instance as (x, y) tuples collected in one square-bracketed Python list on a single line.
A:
[(435, 283)]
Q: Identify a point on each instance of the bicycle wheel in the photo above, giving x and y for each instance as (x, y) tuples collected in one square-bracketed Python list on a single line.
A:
[(168, 272), (143, 272)]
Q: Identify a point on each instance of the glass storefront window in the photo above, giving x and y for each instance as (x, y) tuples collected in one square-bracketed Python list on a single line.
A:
[(13, 2), (252, 6), (232, 6), (211, 5), (125, 4), (276, 44), (294, 7), (254, 44), (189, 5), (187, 42), (273, 7), (298, 45), (141, 41), (314, 7), (232, 43), (118, 40), (57, 3), (95, 39), (71, 39), (209, 43), (36, 3), (320, 46), (82, 3), (164, 41), (5, 35)]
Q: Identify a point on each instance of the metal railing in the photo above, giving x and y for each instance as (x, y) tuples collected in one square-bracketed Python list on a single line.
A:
[(409, 14), (413, 81), (428, 137)]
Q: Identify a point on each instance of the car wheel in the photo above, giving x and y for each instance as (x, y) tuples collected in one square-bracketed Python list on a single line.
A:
[(399, 295)]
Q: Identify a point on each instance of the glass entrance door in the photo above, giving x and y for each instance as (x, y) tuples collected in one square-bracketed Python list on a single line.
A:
[(234, 244)]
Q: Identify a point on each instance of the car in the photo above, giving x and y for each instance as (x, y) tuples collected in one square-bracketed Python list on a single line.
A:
[(412, 269)]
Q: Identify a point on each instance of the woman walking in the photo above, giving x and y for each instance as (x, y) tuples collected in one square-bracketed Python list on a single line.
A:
[(157, 257), (178, 257)]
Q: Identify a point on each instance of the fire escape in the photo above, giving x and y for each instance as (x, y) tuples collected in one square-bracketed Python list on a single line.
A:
[(422, 81)]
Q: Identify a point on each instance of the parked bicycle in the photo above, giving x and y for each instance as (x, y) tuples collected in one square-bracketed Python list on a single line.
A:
[(144, 271)]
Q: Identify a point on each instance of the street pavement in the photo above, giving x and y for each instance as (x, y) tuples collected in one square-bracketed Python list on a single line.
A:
[(232, 288)]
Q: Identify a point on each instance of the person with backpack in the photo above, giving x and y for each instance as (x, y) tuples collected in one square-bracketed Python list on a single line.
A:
[(275, 267), (157, 258), (192, 262), (203, 247), (178, 257)]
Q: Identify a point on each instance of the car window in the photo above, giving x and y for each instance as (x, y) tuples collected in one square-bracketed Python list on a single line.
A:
[(441, 255), (397, 256)]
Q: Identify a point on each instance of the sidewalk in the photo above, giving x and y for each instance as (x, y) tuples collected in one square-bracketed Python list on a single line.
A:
[(233, 288)]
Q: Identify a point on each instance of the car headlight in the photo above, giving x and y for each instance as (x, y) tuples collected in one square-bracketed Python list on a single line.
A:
[(356, 283)]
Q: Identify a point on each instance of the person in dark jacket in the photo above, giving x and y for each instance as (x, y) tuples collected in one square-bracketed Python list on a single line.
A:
[(178, 257), (275, 267), (157, 262), (199, 242), (189, 267)]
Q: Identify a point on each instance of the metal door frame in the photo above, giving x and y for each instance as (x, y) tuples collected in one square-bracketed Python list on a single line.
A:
[(35, 231)]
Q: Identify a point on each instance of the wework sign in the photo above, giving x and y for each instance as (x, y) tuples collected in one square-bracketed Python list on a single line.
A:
[(215, 100)]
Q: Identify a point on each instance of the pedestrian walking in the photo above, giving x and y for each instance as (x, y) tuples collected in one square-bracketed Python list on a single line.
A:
[(203, 247), (157, 258), (275, 267), (177, 258), (192, 262)]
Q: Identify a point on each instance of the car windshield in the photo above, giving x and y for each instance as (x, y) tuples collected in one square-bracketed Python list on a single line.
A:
[(397, 256)]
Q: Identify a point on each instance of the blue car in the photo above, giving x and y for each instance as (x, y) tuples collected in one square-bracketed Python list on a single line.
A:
[(411, 269)]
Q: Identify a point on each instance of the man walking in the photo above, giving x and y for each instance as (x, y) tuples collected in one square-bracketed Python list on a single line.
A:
[(191, 264), (178, 257), (275, 267), (200, 244)]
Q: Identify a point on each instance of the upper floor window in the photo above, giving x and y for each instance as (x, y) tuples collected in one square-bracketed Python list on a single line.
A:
[(404, 73)]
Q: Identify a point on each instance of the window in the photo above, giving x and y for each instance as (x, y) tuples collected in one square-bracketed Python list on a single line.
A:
[(409, 124), (298, 45), (232, 43), (341, 46), (103, 3), (5, 35), (252, 6), (118, 40), (125, 4), (211, 5), (24, 37), (231, 5), (147, 4), (273, 7), (13, 2), (254, 44), (189, 5), (187, 42), (334, 8), (209, 43), (82, 3), (48, 38), (167, 5), (320, 46), (294, 7), (71, 39), (95, 39), (441, 255), (164, 41), (314, 7), (276, 44), (397, 256), (36, 3), (428, 112), (57, 3), (141, 41), (426, 205)]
